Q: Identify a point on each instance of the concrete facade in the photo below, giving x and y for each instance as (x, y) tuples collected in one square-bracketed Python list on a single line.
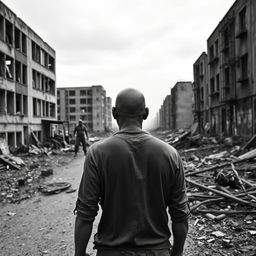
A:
[(182, 101), (201, 92), (231, 83), (87, 103), (176, 110), (27, 80)]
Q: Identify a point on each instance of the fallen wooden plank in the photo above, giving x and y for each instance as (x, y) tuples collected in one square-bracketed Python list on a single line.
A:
[(248, 155), (9, 161), (220, 193), (248, 212)]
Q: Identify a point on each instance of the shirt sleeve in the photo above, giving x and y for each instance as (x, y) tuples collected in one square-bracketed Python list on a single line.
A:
[(179, 206), (89, 191)]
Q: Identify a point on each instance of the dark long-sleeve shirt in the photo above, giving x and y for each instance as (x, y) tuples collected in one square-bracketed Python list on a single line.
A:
[(135, 177)]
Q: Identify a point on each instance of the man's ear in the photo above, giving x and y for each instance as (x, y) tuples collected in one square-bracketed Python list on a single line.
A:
[(145, 115), (114, 113)]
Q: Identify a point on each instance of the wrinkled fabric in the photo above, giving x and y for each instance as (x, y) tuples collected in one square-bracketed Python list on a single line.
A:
[(136, 178)]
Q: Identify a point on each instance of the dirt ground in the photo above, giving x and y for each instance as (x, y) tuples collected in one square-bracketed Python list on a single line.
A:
[(43, 225)]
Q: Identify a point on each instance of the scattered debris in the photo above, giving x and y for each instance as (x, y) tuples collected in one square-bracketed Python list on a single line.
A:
[(54, 188)]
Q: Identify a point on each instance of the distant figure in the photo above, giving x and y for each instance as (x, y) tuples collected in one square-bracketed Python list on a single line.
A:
[(80, 132), (135, 177)]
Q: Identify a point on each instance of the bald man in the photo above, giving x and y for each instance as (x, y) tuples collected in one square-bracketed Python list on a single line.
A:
[(135, 178)]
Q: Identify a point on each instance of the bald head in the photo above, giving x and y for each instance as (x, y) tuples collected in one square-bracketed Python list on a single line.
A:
[(130, 102)]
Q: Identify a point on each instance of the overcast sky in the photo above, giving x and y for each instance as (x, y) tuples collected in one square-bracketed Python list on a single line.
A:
[(145, 44)]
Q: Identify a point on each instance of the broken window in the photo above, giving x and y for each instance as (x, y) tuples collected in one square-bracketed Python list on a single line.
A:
[(51, 64), (24, 43), (8, 33), (33, 78), (17, 39), (212, 85), (43, 86), (72, 93), (242, 19), (2, 101), (46, 57), (2, 64), (216, 48), (24, 74), (225, 39), (35, 52), (11, 139), (38, 80), (18, 139), (244, 67), (217, 82), (46, 108), (18, 104), (82, 101), (227, 77), (42, 57), (34, 107), (1, 28), (25, 105), (211, 52), (18, 71), (89, 101), (51, 87), (10, 102), (83, 109), (52, 110), (9, 67), (72, 110)]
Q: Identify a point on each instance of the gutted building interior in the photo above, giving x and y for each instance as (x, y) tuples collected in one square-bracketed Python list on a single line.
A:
[(27, 81)]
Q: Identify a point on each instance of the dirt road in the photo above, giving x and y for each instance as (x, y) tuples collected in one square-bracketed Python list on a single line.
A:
[(44, 225)]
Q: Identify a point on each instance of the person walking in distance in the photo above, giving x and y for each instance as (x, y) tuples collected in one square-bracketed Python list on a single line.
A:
[(80, 132), (135, 177)]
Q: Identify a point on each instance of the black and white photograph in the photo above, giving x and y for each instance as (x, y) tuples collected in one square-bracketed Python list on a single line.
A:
[(128, 128)]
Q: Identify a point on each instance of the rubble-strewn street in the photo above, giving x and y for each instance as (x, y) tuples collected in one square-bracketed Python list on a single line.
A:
[(221, 191)]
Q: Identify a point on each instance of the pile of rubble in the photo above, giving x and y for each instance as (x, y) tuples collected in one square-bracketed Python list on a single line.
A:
[(221, 184)]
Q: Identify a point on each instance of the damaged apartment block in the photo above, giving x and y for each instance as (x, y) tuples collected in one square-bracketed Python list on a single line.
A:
[(225, 78), (27, 81)]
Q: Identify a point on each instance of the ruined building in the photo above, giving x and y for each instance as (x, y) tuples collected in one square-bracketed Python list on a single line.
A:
[(27, 80), (176, 111), (87, 103), (201, 93), (230, 103)]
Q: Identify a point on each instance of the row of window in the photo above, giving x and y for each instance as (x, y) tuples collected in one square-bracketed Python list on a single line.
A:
[(17, 39), (82, 92), (42, 82), (83, 117), (43, 108), (13, 70), (42, 57), (13, 103), (83, 101), (12, 35), (242, 28)]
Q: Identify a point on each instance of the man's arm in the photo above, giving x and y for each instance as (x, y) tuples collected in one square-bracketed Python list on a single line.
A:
[(179, 231), (86, 133), (179, 208), (83, 231)]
